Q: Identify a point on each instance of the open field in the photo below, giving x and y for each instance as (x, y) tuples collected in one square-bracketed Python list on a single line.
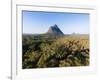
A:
[(44, 52)]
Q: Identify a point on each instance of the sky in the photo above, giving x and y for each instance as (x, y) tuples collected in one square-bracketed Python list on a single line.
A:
[(39, 22)]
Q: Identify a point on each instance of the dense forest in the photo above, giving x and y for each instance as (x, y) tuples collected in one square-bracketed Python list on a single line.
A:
[(66, 51)]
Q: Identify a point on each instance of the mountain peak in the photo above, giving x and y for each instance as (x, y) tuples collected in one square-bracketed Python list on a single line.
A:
[(55, 25), (55, 30)]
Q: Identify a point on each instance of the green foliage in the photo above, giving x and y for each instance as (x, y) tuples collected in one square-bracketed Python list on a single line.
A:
[(59, 52)]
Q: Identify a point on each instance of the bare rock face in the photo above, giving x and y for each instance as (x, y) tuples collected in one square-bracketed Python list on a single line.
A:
[(55, 31)]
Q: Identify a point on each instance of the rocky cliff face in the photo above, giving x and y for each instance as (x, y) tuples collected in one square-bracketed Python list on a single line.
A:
[(55, 31)]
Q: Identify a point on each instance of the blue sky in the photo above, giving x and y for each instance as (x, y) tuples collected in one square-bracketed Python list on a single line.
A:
[(39, 22)]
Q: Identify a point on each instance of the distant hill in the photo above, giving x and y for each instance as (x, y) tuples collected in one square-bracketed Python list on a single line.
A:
[(52, 33), (54, 30)]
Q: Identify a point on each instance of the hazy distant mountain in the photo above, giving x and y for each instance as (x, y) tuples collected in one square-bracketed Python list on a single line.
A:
[(54, 30), (52, 33)]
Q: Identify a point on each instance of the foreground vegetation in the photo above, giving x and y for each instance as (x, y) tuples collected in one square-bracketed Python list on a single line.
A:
[(59, 52)]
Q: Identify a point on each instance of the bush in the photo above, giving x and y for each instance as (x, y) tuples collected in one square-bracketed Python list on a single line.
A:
[(61, 52)]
